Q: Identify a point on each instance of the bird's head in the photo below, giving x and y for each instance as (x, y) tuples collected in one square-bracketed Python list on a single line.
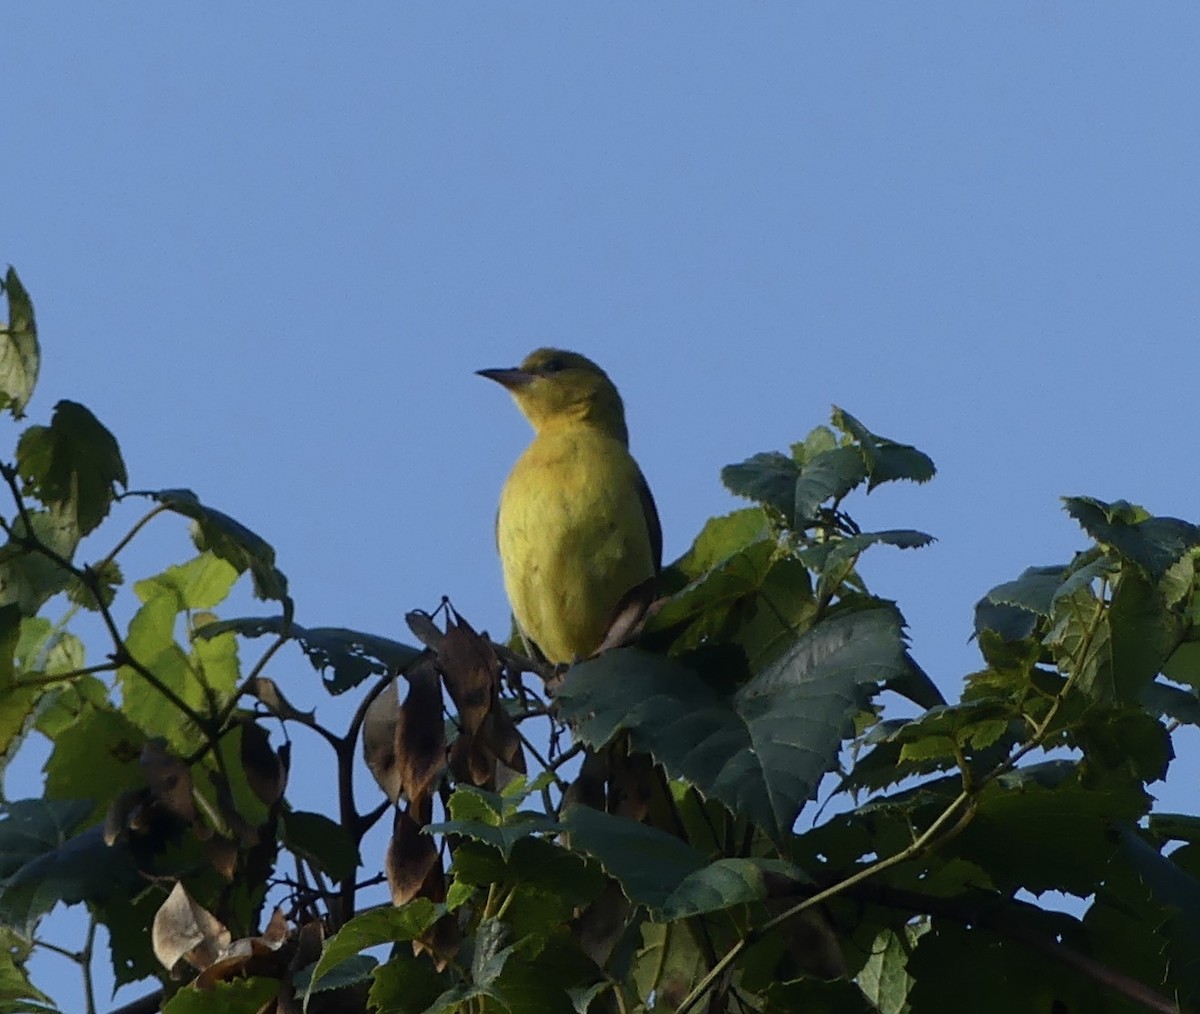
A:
[(552, 385)]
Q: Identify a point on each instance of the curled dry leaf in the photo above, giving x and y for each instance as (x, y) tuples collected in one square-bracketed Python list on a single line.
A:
[(423, 628), (241, 952), (124, 814), (379, 740), (412, 860), (265, 771), (171, 783), (223, 854), (472, 673), (420, 733), (186, 931)]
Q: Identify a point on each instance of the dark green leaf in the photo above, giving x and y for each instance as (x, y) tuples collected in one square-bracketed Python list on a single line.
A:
[(1029, 832), (648, 864), (1008, 623), (351, 654), (668, 876), (534, 863), (1032, 592), (815, 996), (827, 476), (236, 996), (761, 750), (81, 868), (769, 478), (405, 984), (377, 926), (322, 841), (886, 459), (30, 828), (1153, 543), (1178, 892), (73, 466), (723, 884), (19, 353), (1162, 699), (1175, 827), (228, 539), (991, 975)]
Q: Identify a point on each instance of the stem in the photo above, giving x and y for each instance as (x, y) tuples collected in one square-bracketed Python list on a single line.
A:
[(129, 536), (62, 677), (87, 577), (919, 844), (85, 961)]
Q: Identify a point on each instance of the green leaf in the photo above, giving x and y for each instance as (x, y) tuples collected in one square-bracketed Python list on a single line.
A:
[(73, 466), (1175, 827), (668, 876), (761, 750), (769, 478), (107, 579), (405, 984), (534, 863), (19, 353), (998, 975), (1154, 544), (669, 963), (202, 583), (1178, 892), (322, 841), (351, 654), (648, 864), (378, 926), (15, 985), (886, 459), (228, 539), (708, 600), (492, 949), (723, 884), (96, 758), (27, 576), (351, 971), (815, 996), (841, 553), (1143, 635), (1164, 700), (234, 996), (151, 641), (826, 476), (884, 978), (504, 837), (30, 828), (74, 869), (1031, 833), (1034, 591)]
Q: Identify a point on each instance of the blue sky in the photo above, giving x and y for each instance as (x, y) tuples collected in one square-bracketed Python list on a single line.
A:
[(269, 245)]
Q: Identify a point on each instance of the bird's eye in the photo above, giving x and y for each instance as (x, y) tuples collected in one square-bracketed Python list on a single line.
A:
[(554, 365)]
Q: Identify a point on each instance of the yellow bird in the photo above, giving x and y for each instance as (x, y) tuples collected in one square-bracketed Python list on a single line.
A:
[(578, 533)]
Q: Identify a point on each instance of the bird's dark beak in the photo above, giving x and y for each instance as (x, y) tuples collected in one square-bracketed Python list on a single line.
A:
[(512, 378)]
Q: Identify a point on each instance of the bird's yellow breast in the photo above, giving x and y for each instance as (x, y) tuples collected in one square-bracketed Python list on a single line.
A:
[(573, 538)]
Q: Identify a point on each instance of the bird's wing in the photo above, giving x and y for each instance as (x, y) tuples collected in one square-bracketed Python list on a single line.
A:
[(653, 525)]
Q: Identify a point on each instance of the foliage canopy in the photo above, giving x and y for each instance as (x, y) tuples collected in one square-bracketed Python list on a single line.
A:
[(623, 836)]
